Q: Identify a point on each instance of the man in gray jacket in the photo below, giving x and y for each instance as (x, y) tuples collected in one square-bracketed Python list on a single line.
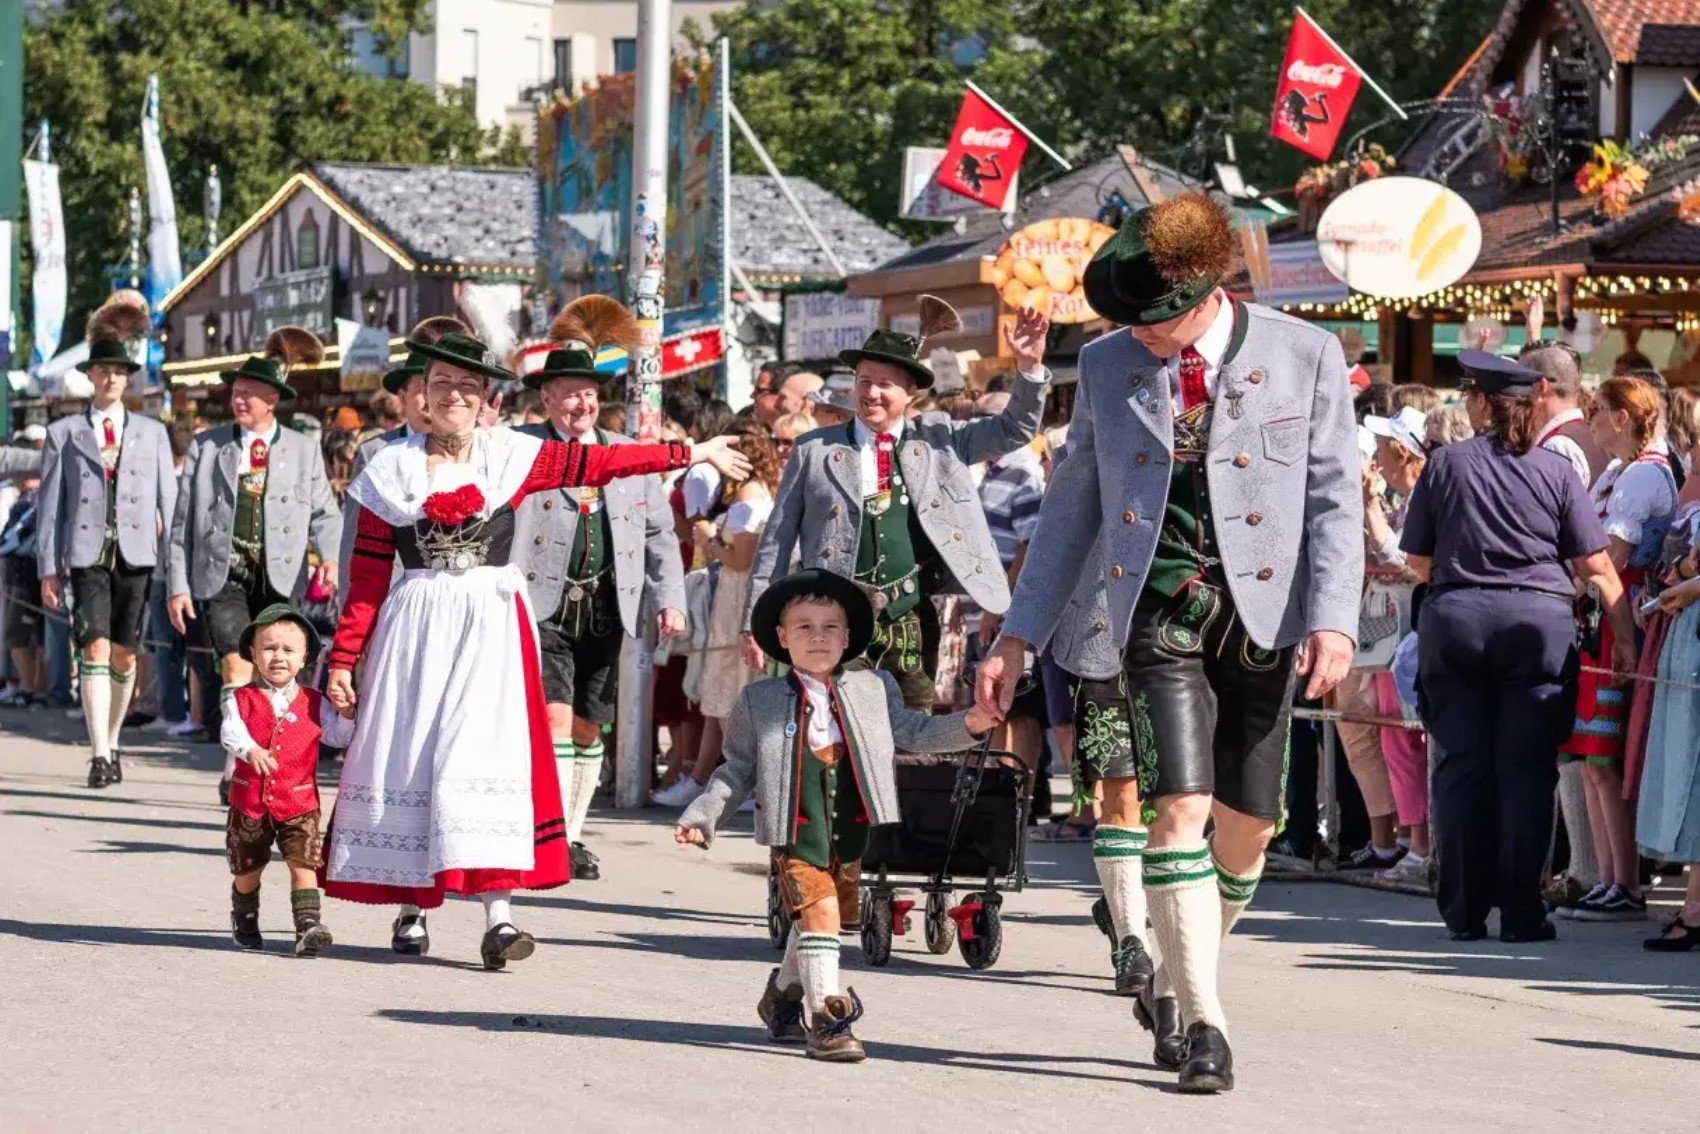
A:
[(594, 559), (252, 500), (108, 490), (888, 501), (1213, 448)]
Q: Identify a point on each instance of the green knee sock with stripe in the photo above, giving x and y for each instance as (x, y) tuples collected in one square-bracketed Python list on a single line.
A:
[(587, 773), (564, 765), (817, 957), (1236, 891), (123, 686), (1118, 853), (1186, 920)]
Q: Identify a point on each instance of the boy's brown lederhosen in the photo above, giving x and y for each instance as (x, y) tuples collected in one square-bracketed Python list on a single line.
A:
[(809, 874)]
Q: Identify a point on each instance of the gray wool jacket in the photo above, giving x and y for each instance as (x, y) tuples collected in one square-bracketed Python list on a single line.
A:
[(763, 749)]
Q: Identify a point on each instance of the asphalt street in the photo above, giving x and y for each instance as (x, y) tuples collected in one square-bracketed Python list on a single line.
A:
[(124, 1005)]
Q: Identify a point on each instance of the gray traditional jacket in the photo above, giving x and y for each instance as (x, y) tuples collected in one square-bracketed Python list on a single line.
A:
[(818, 511), (300, 509), (645, 546), (1283, 471), (763, 748), (72, 524)]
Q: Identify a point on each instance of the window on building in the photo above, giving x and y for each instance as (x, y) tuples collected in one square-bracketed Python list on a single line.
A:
[(307, 244), (368, 55), (625, 56), (563, 75), (469, 63)]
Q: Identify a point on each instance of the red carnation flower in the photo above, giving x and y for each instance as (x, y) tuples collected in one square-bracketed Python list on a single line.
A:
[(451, 509)]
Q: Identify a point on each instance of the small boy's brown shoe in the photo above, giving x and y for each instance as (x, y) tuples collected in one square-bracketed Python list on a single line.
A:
[(781, 1009), (830, 1038)]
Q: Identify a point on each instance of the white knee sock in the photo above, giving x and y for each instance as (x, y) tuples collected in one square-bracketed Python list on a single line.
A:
[(1117, 853), (587, 773), (498, 907), (564, 765), (1235, 891), (817, 957), (227, 707), (414, 930), (1186, 919), (1573, 805), (790, 971), (123, 685), (94, 683)]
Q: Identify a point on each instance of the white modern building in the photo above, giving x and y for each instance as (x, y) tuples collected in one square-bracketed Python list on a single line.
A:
[(506, 52)]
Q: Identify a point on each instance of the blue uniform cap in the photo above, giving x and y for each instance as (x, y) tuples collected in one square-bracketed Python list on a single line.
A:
[(1493, 375)]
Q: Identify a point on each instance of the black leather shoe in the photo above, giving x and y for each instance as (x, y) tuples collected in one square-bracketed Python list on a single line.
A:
[(504, 943), (245, 929), (1545, 931), (115, 774), (1133, 967), (414, 945), (224, 793), (100, 772), (1478, 934), (1161, 1016), (1101, 918), (586, 866), (1209, 1066)]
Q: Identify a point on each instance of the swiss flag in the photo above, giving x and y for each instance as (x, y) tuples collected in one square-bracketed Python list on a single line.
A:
[(986, 148), (1317, 86)]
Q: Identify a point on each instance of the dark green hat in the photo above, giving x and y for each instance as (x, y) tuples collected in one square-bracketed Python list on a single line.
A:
[(564, 362), (110, 352), (279, 612), (463, 351), (261, 369), (764, 618), (397, 378), (894, 347), (1122, 282)]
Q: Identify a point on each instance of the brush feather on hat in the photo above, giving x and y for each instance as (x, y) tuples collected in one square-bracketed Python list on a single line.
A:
[(119, 320), (938, 317), (292, 346), (434, 328), (592, 322)]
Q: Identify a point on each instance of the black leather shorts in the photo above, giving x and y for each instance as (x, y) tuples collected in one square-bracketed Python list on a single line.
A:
[(580, 645), (1208, 707), (226, 614), (109, 603)]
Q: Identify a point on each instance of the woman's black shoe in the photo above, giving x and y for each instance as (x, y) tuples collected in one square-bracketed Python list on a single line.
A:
[(414, 945), (1685, 937), (1545, 931), (100, 772), (1209, 1066), (1161, 1016), (586, 866), (504, 943)]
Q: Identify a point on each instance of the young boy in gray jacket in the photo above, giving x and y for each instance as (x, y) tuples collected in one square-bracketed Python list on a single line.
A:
[(817, 748)]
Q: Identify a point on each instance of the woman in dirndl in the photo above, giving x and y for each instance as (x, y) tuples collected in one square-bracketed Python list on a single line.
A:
[(1636, 501), (1667, 825), (449, 785)]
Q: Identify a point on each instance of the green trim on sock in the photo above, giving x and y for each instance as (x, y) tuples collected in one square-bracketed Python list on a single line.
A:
[(122, 678), (592, 751), (1236, 888), (817, 943), (1118, 842), (563, 750), (1167, 881), (1166, 855), (93, 669), (1137, 835), (1168, 867)]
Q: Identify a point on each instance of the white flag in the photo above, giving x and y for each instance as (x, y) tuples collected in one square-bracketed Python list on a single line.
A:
[(165, 264), (47, 239)]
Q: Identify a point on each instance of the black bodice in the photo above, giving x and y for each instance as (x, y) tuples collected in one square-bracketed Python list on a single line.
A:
[(476, 543)]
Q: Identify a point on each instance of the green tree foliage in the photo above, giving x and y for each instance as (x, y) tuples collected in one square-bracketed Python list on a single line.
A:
[(257, 88), (837, 88)]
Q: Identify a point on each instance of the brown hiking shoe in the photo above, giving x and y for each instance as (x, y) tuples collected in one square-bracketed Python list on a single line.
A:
[(829, 1032), (781, 1009)]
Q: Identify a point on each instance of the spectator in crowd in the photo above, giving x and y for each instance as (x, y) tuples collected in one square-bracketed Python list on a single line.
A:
[(1425, 399), (795, 392), (1684, 427), (785, 433), (386, 411), (835, 402), (24, 623), (765, 398), (702, 486), (528, 408), (731, 544), (612, 419), (1636, 500), (339, 447), (1447, 425), (1667, 825)]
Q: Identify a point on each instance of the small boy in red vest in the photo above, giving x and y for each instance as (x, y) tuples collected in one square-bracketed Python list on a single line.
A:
[(274, 735)]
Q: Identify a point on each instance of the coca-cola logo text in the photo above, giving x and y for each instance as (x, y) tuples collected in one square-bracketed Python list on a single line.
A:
[(1316, 74), (996, 137)]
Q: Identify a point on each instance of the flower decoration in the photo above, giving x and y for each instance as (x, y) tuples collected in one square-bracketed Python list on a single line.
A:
[(1613, 176), (451, 509), (1322, 183)]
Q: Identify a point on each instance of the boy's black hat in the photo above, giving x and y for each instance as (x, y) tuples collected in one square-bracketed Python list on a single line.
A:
[(764, 619), (278, 612)]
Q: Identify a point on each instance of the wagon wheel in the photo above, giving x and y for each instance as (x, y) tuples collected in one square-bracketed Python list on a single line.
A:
[(876, 928), (778, 921), (982, 952), (941, 931)]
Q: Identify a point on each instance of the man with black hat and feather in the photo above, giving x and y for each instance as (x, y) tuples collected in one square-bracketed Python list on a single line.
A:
[(1213, 448), (252, 500), (888, 501), (108, 491), (594, 559)]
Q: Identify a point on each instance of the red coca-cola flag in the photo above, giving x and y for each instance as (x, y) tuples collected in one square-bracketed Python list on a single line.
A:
[(1318, 84), (986, 148)]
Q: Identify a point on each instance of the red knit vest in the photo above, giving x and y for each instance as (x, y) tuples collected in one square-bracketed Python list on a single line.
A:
[(292, 790)]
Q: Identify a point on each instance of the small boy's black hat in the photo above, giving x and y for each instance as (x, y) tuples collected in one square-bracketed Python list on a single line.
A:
[(278, 612), (812, 583)]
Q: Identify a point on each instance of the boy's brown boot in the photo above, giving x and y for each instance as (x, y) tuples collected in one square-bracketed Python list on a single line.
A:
[(829, 1033), (781, 1009)]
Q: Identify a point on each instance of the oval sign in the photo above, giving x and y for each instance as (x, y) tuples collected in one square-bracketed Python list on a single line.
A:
[(1399, 237), (1043, 263)]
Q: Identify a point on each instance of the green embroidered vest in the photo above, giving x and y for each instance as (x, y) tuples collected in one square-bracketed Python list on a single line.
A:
[(829, 803), (893, 555), (248, 527)]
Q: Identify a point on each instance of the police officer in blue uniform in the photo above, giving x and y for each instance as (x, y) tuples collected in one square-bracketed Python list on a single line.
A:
[(1491, 526)]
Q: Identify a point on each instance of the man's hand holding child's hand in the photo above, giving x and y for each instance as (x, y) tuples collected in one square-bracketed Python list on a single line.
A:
[(981, 719), (689, 837)]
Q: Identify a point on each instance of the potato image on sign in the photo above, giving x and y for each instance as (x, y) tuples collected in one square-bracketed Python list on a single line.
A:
[(1041, 265)]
